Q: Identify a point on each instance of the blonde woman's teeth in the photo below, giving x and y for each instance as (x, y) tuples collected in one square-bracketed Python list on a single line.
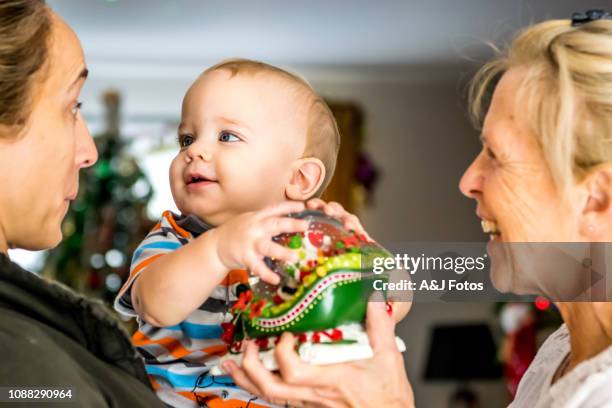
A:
[(490, 227)]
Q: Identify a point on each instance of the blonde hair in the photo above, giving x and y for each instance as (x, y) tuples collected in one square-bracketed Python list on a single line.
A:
[(567, 90), (323, 136)]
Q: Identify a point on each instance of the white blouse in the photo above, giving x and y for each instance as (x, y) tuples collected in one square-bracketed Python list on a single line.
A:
[(589, 384)]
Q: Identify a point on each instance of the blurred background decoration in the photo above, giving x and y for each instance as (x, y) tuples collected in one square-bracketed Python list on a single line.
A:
[(394, 73), (450, 359), (525, 326), (356, 175)]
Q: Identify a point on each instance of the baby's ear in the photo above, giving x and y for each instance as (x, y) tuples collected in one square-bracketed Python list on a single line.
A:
[(306, 177)]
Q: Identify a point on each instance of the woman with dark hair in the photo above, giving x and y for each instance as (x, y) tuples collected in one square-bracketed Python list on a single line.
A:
[(50, 337)]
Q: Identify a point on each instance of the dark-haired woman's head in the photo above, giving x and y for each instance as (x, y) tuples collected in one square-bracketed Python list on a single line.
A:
[(44, 141)]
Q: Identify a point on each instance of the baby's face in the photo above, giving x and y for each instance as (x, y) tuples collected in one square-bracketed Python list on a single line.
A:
[(238, 139)]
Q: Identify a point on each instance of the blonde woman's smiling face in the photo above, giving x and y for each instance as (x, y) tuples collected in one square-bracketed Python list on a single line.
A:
[(238, 140), (516, 196)]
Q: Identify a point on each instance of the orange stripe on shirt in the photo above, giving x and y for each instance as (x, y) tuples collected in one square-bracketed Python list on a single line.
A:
[(168, 216), (235, 276), (144, 263), (218, 350), (174, 346), (215, 401), (154, 384)]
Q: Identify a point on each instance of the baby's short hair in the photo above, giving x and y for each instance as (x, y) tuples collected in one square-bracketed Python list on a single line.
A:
[(323, 136)]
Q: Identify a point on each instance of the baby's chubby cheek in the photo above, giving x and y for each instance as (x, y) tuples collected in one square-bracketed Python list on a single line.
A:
[(177, 184), (274, 159)]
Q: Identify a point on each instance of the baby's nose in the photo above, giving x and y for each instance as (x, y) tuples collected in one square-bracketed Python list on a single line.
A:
[(196, 151)]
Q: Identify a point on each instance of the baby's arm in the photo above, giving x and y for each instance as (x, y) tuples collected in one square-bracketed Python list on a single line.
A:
[(177, 283)]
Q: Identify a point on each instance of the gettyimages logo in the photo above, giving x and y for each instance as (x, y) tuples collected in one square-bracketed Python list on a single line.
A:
[(491, 271), (450, 262)]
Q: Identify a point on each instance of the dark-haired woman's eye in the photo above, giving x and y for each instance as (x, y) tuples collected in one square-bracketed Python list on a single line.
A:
[(490, 153), (76, 108), (228, 137), (185, 140)]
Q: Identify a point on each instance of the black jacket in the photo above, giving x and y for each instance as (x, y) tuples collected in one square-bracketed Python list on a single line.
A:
[(51, 336)]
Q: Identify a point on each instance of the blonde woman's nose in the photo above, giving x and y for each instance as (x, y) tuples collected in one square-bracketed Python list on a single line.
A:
[(471, 181)]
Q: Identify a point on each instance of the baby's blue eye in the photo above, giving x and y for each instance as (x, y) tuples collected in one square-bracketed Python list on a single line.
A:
[(228, 137), (185, 140)]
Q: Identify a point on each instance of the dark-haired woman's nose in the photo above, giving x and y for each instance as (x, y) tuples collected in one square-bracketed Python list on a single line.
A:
[(86, 153)]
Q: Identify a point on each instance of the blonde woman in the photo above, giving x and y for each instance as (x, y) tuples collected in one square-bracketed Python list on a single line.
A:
[(544, 175)]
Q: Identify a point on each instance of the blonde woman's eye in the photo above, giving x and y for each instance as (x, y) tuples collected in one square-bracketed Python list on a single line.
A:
[(228, 137), (185, 140), (76, 108), (491, 154)]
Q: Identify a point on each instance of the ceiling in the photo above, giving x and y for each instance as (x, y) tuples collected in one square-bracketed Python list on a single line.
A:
[(303, 32)]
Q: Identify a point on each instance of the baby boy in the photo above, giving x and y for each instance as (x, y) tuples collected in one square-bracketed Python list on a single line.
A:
[(255, 142)]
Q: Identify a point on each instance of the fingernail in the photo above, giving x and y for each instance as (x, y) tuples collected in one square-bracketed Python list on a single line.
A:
[(227, 367), (389, 307)]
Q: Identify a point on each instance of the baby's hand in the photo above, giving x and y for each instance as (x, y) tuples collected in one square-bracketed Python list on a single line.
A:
[(334, 209), (244, 241)]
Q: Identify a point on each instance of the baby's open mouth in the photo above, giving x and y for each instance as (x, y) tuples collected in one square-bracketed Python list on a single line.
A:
[(196, 179), (491, 228)]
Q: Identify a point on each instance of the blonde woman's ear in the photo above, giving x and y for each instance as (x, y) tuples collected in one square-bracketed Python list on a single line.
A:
[(597, 211), (306, 178)]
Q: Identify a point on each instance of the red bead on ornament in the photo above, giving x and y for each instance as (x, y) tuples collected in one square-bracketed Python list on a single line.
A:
[(336, 335), (316, 238)]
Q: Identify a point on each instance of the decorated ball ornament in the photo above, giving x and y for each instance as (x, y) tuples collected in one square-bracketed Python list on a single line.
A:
[(322, 297), (326, 290)]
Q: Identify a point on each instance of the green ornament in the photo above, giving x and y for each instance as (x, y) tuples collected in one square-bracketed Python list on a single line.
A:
[(295, 242)]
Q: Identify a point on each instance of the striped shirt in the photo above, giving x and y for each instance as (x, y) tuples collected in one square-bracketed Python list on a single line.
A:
[(178, 358)]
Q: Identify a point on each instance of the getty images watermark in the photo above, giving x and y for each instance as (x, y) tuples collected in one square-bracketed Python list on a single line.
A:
[(491, 271), (413, 264)]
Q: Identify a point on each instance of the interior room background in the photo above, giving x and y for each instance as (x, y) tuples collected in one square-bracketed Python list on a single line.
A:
[(402, 66)]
